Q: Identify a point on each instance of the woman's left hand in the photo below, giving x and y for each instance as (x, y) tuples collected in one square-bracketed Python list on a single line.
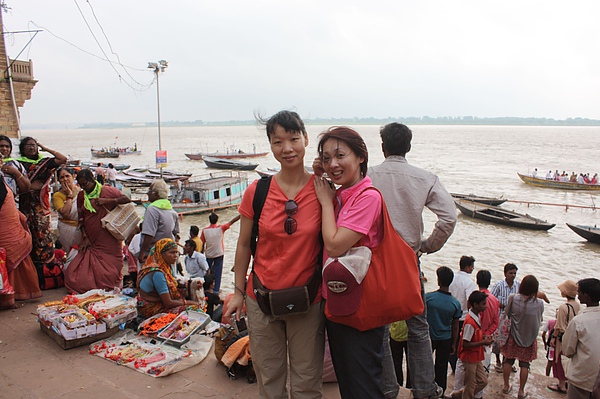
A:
[(325, 192)]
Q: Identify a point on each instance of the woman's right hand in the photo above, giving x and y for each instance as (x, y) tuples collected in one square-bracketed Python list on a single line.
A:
[(325, 192), (234, 306)]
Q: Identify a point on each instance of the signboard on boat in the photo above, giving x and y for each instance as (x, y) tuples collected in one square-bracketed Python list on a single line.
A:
[(161, 159)]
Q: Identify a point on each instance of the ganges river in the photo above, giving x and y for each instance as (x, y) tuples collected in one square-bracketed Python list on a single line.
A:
[(482, 160)]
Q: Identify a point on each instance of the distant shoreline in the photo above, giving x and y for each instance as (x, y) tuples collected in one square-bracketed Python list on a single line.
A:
[(425, 120)]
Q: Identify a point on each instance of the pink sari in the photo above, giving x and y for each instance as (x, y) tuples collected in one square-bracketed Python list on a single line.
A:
[(100, 265)]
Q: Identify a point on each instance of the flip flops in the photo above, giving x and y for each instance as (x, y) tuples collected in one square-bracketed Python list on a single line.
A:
[(554, 387), (523, 396), (507, 391)]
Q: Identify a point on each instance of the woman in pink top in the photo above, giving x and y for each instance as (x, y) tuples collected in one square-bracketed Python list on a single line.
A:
[(287, 254), (351, 216)]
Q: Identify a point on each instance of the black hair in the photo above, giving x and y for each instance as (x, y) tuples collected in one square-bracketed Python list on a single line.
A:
[(510, 266), (194, 230), (395, 138), (445, 276), (213, 218), (484, 278), (85, 174), (208, 281), (477, 297), (191, 243), (590, 287), (290, 121), (466, 261)]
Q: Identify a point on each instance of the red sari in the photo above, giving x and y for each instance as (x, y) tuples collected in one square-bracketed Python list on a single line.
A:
[(16, 240), (99, 265)]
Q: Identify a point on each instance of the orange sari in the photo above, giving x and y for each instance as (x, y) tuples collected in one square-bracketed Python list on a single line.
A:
[(16, 240)]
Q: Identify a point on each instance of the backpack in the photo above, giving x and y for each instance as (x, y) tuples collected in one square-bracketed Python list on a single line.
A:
[(53, 276), (224, 338)]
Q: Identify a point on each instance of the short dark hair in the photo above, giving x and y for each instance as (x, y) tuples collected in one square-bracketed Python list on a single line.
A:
[(290, 121), (351, 138), (590, 287), (445, 276), (466, 261), (395, 138), (194, 230), (209, 279), (477, 297), (191, 244), (213, 218), (529, 285), (510, 266), (484, 278)]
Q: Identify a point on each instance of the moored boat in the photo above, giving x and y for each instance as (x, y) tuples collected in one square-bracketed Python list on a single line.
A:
[(482, 200), (94, 165), (207, 193), (563, 185), (218, 163), (590, 233), (496, 214), (232, 155)]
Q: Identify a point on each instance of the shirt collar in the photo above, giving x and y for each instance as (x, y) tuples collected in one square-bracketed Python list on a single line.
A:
[(475, 317)]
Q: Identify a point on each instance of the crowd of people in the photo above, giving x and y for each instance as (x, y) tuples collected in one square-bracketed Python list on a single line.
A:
[(581, 178), (291, 225)]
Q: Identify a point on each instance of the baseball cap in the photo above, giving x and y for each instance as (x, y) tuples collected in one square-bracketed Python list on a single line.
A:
[(343, 277)]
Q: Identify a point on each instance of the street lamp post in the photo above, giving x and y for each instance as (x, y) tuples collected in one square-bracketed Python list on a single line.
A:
[(157, 67)]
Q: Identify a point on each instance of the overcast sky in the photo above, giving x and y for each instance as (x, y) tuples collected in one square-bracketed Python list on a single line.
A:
[(228, 59)]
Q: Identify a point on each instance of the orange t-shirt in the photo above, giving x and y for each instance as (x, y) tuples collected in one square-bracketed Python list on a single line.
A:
[(283, 260)]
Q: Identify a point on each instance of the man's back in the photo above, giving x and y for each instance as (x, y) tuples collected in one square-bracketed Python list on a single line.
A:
[(407, 190)]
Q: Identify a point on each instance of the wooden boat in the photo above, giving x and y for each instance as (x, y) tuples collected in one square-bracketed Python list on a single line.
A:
[(562, 185), (481, 200), (207, 193), (104, 154), (218, 163), (149, 175), (590, 233), (233, 155), (94, 165), (498, 215)]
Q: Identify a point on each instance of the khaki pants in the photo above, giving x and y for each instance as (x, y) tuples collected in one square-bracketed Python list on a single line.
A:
[(475, 380), (273, 341)]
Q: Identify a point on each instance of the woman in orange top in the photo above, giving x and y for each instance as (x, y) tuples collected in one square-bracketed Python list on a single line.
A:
[(287, 253)]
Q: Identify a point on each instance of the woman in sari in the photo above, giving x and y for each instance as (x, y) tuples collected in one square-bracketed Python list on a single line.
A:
[(100, 259), (15, 175), (35, 204), (65, 204), (156, 285), (16, 240)]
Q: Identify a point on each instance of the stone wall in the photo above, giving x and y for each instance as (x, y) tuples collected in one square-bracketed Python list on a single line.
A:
[(22, 88)]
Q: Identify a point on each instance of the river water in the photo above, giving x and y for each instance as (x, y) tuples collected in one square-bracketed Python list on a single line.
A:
[(482, 160)]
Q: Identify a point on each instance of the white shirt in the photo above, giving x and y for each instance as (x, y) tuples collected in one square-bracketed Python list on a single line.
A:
[(134, 248), (196, 265), (462, 286), (581, 343), (111, 174)]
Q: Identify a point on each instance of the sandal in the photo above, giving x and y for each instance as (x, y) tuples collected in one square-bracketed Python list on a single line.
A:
[(498, 368), (523, 396), (554, 387), (507, 391)]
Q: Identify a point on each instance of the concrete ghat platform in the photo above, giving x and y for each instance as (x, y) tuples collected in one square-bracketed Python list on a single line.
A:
[(32, 365)]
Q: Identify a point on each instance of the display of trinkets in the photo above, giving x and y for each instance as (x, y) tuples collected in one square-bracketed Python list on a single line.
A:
[(187, 323)]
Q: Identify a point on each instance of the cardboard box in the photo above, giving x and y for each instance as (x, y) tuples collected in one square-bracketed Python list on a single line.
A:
[(121, 318), (74, 343)]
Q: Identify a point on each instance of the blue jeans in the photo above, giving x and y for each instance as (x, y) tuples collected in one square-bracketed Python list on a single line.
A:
[(357, 359), (216, 269), (420, 359)]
